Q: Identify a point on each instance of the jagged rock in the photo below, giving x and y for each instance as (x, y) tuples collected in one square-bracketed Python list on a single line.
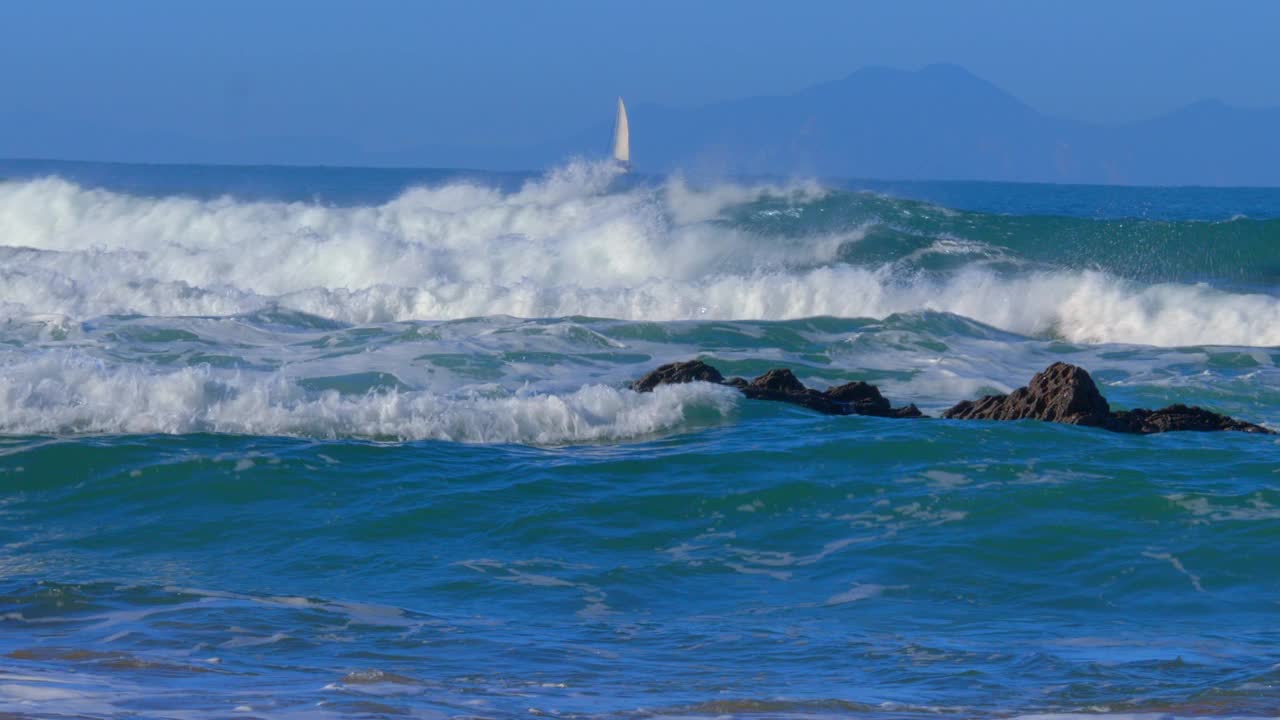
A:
[(1060, 393), (1065, 393), (677, 373), (1179, 417)]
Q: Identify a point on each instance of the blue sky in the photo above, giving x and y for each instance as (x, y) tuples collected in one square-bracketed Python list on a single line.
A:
[(389, 72)]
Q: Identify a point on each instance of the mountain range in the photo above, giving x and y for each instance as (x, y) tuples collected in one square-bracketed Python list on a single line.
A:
[(944, 123), (938, 123)]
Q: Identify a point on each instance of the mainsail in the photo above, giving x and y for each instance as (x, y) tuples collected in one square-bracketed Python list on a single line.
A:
[(622, 137)]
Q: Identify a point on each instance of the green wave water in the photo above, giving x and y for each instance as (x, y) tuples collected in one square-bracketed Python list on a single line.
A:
[(1237, 251)]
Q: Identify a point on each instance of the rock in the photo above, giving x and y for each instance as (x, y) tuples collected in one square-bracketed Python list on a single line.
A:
[(677, 373), (1179, 417), (782, 386), (1060, 393), (910, 411), (864, 397), (1065, 393), (985, 408), (780, 380)]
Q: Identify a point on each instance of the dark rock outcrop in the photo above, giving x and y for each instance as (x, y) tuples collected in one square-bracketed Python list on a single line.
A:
[(1179, 417), (781, 385), (677, 373), (1066, 394), (863, 396), (907, 411), (1060, 393), (865, 399)]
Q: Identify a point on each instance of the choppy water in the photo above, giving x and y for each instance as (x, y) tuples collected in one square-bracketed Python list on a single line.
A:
[(338, 443)]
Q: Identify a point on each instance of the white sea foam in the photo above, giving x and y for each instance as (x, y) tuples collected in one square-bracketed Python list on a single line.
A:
[(67, 393), (562, 245)]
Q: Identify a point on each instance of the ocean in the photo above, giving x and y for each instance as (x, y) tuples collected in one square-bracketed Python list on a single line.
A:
[(357, 443)]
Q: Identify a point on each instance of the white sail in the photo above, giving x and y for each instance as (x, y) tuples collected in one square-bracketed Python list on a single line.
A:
[(622, 136)]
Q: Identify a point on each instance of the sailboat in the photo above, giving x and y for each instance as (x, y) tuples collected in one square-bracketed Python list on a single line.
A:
[(622, 139)]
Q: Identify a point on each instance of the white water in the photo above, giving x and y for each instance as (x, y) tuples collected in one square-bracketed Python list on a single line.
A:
[(68, 393), (562, 245)]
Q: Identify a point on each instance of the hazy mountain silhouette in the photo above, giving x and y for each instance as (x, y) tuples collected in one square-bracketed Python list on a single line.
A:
[(944, 123), (938, 123)]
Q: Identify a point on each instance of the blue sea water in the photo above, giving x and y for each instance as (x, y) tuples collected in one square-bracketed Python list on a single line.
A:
[(307, 442)]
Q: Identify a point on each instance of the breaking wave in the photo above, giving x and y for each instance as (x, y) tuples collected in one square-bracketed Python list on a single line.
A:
[(580, 242), (59, 394)]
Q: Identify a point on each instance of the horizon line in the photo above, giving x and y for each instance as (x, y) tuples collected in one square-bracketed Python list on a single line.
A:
[(744, 176)]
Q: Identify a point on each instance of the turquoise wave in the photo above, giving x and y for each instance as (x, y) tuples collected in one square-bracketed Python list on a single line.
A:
[(917, 235)]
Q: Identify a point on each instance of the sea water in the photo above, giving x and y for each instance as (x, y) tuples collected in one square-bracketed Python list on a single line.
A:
[(306, 442)]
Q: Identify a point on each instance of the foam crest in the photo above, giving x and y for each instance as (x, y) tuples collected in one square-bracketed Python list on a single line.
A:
[(562, 229), (576, 242), (1082, 307), (65, 393)]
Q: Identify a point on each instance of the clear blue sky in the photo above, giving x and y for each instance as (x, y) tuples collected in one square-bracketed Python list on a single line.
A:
[(389, 72)]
